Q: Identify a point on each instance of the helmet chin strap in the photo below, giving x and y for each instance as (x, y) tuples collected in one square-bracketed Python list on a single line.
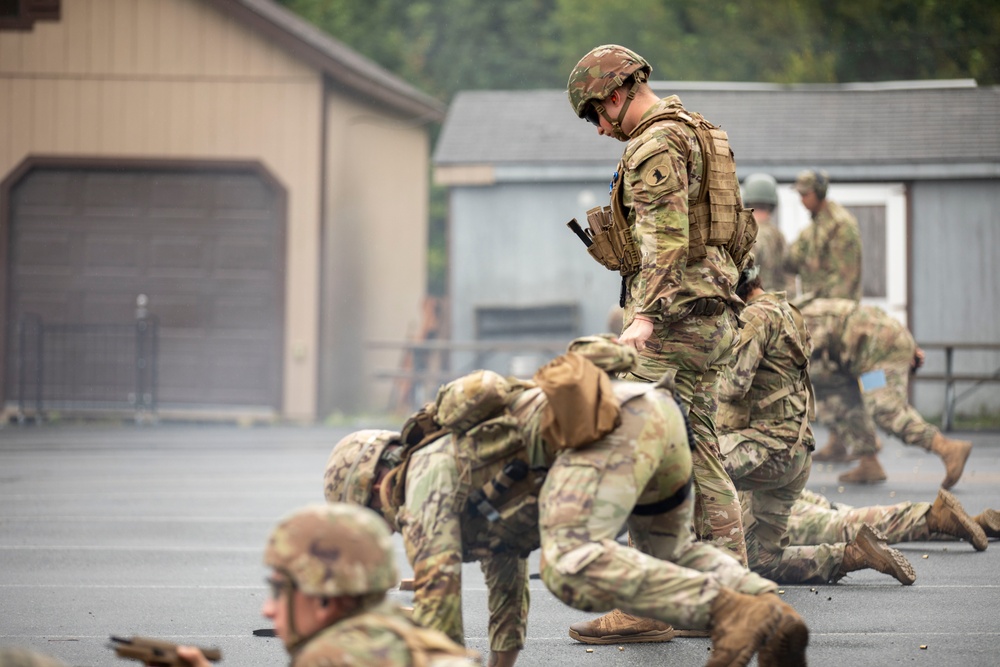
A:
[(616, 125)]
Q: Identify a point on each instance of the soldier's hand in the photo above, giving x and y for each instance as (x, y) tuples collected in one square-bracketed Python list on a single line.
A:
[(193, 656), (637, 333), (918, 359)]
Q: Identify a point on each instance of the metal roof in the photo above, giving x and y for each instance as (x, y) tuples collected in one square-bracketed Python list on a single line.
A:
[(918, 129)]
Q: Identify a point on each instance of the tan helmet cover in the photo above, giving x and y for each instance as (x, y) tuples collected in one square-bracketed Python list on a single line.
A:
[(350, 470), (334, 549)]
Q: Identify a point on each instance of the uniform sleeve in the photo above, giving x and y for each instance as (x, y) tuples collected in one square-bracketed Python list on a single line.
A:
[(507, 582), (738, 376), (433, 538), (844, 253), (797, 252), (659, 185)]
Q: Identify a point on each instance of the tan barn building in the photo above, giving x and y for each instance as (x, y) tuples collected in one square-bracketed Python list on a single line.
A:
[(263, 186)]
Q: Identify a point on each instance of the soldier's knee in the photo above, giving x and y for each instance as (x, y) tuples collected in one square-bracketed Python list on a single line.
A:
[(592, 576)]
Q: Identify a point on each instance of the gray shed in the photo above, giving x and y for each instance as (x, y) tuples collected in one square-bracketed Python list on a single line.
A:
[(917, 161)]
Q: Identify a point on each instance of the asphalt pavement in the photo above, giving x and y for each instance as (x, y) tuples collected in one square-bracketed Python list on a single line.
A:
[(158, 530)]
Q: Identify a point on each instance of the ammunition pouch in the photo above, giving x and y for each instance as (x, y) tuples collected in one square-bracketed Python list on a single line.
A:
[(612, 244), (709, 307)]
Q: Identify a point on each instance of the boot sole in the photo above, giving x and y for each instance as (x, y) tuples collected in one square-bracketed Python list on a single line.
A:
[(973, 531), (640, 638), (966, 450), (899, 568), (788, 646), (991, 523)]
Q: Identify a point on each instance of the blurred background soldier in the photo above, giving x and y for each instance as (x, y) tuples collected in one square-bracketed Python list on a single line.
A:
[(634, 468), (331, 567), (685, 235), (816, 520), (827, 254), (861, 365), (766, 439), (760, 192)]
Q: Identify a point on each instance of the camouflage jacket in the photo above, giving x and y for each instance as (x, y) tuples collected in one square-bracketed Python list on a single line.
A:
[(662, 169), (769, 254), (854, 338), (440, 533), (381, 636), (827, 255), (766, 388)]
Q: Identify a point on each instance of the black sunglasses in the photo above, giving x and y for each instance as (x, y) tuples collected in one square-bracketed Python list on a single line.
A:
[(591, 116)]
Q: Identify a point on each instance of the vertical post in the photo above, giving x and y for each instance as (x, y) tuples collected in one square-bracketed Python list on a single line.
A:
[(141, 328), (949, 389)]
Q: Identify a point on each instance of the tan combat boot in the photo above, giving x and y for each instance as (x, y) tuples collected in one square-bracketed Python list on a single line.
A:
[(869, 550), (787, 647), (868, 471), (949, 517), (954, 454), (617, 627), (740, 624), (989, 521), (833, 451)]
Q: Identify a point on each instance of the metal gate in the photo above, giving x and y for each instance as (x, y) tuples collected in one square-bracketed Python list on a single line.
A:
[(87, 367)]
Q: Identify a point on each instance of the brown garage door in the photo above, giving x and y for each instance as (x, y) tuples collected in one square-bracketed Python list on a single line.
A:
[(205, 246)]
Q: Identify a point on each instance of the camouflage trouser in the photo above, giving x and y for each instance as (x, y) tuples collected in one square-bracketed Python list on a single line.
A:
[(770, 475), (695, 349), (589, 495), (815, 521), (851, 415)]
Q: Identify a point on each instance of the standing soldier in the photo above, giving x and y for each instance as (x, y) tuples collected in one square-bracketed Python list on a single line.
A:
[(827, 254), (495, 469), (765, 435), (861, 365), (331, 568), (760, 192), (677, 233)]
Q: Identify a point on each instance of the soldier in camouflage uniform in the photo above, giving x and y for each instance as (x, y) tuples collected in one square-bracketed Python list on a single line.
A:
[(816, 520), (677, 279), (862, 360), (760, 192), (827, 254), (331, 568), (579, 499), (765, 437)]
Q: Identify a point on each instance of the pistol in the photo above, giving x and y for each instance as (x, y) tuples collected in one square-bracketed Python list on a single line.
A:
[(155, 652)]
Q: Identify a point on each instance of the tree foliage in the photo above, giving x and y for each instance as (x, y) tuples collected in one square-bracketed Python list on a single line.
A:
[(444, 46)]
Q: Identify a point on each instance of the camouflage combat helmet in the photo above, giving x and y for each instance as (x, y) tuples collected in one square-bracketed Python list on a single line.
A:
[(599, 73), (760, 189), (334, 549), (350, 470), (812, 180)]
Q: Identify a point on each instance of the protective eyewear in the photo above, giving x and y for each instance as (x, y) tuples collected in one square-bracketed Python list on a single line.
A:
[(591, 116), (278, 587)]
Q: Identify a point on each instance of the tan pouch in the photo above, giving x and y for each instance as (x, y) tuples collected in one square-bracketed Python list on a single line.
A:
[(582, 407)]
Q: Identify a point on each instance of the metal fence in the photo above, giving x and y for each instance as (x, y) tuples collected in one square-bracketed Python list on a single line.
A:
[(86, 367)]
